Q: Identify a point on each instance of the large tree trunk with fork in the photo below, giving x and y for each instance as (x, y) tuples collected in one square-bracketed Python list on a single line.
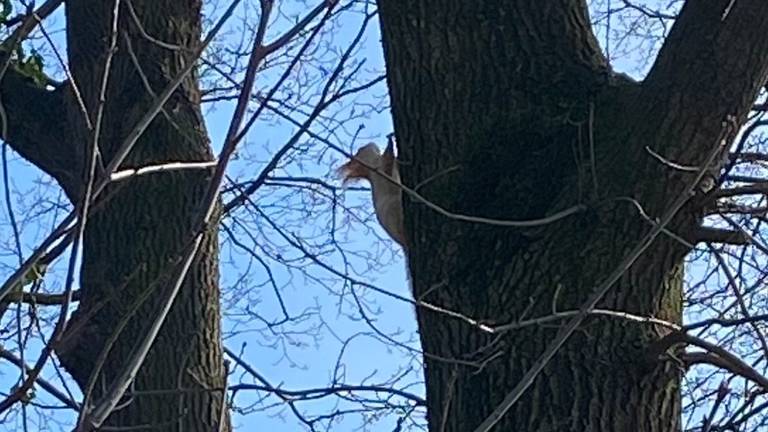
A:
[(513, 102)]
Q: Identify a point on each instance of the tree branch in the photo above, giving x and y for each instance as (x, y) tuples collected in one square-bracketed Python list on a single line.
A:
[(714, 355), (717, 235), (38, 298), (38, 130), (33, 120), (47, 386), (750, 189), (711, 46)]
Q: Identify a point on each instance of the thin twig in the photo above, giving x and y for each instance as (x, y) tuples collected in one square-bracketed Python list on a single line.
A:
[(164, 167), (722, 357), (739, 298), (67, 73), (669, 163), (47, 386)]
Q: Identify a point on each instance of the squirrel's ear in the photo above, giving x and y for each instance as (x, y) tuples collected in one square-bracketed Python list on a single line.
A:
[(388, 157), (388, 161), (390, 144)]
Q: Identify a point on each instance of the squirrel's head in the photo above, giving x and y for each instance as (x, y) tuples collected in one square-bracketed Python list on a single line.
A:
[(358, 166)]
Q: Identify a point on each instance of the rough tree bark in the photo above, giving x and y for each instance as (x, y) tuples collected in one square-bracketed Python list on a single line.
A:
[(518, 96), (132, 241)]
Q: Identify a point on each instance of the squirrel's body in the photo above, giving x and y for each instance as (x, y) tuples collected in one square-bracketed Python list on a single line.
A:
[(368, 164)]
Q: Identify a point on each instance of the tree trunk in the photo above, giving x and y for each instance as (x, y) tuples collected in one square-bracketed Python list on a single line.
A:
[(132, 242), (518, 97)]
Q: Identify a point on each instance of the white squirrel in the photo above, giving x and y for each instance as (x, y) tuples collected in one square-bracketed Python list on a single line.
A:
[(367, 164)]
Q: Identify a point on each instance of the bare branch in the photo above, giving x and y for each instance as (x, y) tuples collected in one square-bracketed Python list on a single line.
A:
[(694, 57), (716, 356), (33, 117), (716, 235), (165, 167), (40, 298), (50, 388), (38, 131), (751, 189)]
